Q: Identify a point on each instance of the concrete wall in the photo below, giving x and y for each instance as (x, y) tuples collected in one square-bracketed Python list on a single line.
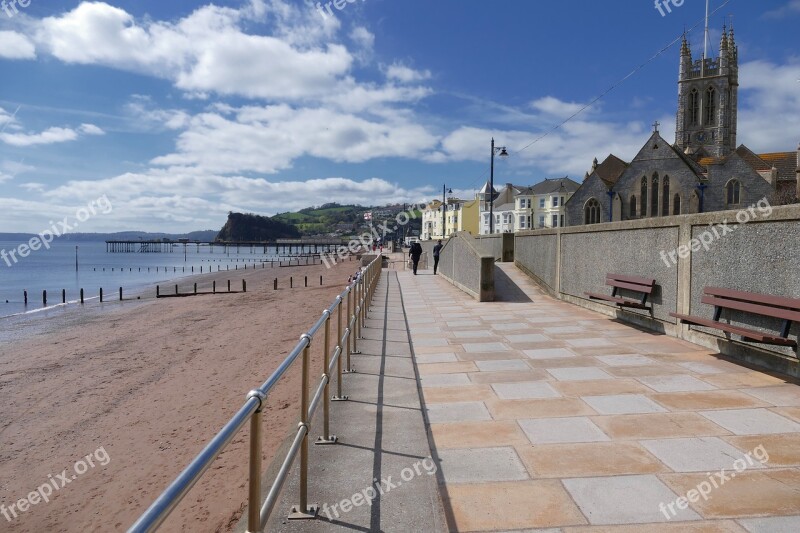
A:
[(499, 245), (464, 264), (760, 254)]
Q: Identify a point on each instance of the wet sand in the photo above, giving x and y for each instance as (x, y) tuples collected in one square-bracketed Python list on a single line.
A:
[(151, 382)]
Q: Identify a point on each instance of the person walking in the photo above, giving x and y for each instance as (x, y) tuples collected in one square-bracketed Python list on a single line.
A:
[(416, 253), (436, 250)]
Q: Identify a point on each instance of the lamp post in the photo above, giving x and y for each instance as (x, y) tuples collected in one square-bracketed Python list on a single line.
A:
[(501, 151), (444, 207)]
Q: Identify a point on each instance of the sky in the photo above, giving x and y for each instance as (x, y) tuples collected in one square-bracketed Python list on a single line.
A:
[(179, 112)]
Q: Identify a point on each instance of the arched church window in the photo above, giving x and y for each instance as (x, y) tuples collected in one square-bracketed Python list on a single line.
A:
[(633, 206), (734, 193), (711, 106), (694, 107), (654, 196), (643, 210), (676, 205), (591, 212), (665, 198)]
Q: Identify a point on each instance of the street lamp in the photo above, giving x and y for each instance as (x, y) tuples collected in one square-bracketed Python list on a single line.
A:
[(501, 151), (444, 206)]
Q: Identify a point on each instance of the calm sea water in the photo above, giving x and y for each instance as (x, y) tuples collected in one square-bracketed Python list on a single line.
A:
[(54, 269)]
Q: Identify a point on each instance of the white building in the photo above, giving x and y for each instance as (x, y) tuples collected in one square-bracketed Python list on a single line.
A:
[(542, 206)]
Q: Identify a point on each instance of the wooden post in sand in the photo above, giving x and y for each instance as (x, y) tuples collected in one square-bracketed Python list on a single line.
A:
[(101, 294), (44, 298), (229, 285), (63, 296), (25, 295), (81, 296), (120, 294), (244, 286), (275, 284)]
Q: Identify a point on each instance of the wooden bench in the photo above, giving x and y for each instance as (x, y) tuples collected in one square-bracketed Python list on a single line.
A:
[(643, 286), (786, 309)]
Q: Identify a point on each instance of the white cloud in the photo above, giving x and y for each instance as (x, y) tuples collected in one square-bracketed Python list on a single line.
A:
[(32, 186), (791, 8), (769, 106), (15, 45), (48, 136), (269, 138), (556, 108), (406, 74), (91, 129), (51, 135)]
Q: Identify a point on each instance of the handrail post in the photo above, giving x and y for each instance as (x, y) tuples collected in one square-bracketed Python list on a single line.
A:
[(351, 338), (343, 348), (304, 511), (326, 437), (254, 499)]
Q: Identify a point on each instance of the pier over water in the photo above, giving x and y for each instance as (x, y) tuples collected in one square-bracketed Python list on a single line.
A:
[(285, 246)]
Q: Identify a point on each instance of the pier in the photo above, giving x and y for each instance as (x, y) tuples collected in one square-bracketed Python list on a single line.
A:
[(281, 246)]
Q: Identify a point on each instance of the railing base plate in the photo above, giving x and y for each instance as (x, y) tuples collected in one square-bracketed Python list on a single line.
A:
[(322, 441), (349, 371), (339, 398), (309, 514)]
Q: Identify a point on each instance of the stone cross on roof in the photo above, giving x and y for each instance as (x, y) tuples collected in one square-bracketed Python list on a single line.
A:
[(656, 124)]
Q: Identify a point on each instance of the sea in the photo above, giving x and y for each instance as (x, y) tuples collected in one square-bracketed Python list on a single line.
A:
[(54, 270)]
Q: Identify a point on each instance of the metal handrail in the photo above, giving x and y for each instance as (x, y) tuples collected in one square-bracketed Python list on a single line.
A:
[(360, 292)]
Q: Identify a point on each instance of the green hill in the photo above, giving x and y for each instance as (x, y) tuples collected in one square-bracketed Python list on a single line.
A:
[(249, 227)]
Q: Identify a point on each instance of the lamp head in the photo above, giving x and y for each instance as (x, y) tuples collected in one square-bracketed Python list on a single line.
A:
[(503, 152)]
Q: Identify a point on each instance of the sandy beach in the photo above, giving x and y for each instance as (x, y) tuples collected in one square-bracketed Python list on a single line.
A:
[(140, 387)]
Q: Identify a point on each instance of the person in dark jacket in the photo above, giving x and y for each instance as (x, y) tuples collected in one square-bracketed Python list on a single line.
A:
[(416, 253), (436, 250)]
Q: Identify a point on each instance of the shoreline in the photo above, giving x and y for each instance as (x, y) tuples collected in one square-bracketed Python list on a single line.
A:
[(56, 314), (151, 381)]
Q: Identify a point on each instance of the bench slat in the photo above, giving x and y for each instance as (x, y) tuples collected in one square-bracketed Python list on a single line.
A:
[(624, 302), (647, 289), (766, 299), (744, 332), (755, 308), (632, 279)]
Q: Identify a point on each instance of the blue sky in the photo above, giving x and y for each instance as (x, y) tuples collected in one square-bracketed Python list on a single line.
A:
[(182, 111)]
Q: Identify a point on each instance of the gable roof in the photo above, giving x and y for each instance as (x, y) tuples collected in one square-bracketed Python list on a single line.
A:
[(611, 169), (785, 162), (549, 186)]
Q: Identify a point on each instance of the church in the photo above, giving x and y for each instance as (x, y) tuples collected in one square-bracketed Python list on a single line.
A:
[(703, 170)]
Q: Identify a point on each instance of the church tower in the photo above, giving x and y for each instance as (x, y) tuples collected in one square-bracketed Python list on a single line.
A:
[(708, 99)]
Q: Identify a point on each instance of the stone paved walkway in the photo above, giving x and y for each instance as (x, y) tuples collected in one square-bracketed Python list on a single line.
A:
[(547, 415)]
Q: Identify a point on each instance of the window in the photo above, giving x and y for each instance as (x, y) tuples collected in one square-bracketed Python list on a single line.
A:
[(541, 203), (711, 105), (541, 221), (522, 222), (694, 107), (562, 221), (644, 197), (555, 201), (555, 221), (676, 205), (591, 212), (654, 195), (734, 191), (633, 206), (665, 198)]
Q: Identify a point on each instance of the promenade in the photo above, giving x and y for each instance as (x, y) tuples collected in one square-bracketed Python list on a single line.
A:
[(541, 415)]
